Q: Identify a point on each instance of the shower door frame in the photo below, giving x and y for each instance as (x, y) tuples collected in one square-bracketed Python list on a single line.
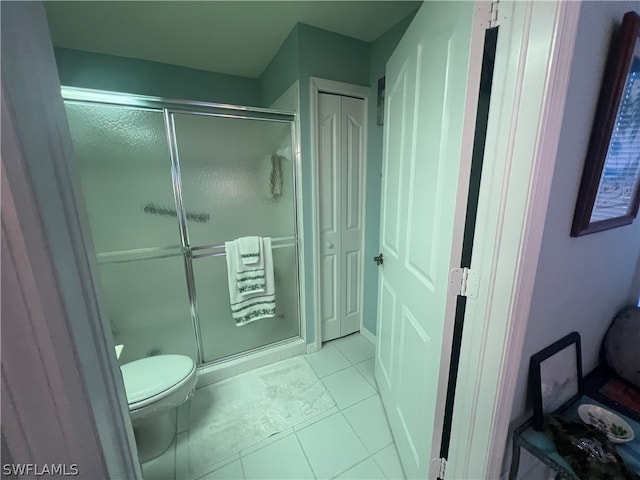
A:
[(169, 107)]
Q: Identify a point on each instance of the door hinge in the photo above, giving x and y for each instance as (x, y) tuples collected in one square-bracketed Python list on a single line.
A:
[(493, 14), (443, 466), (464, 282)]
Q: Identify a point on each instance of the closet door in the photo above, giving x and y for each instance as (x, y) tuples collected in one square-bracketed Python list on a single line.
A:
[(340, 157)]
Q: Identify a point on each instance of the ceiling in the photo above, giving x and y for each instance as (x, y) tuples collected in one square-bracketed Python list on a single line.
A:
[(234, 37)]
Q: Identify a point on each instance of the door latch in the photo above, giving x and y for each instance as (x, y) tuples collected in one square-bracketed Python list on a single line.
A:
[(378, 259)]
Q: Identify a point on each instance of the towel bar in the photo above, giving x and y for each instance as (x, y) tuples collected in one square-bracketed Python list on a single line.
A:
[(222, 254)]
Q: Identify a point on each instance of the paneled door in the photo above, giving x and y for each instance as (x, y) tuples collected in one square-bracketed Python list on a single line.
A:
[(426, 89), (340, 156)]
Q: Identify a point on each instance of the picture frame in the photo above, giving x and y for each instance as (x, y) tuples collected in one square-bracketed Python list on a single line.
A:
[(555, 377), (380, 110), (609, 194)]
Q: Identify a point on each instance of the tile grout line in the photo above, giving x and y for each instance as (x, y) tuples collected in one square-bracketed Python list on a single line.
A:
[(354, 428), (244, 474), (359, 401), (370, 457), (304, 452), (380, 466)]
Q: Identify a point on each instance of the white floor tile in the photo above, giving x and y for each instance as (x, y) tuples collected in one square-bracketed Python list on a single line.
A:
[(162, 467), (267, 441), (232, 471), (355, 347), (367, 369), (182, 456), (369, 421), (280, 460), (348, 387), (389, 462), (317, 418), (367, 470), (331, 446), (327, 361)]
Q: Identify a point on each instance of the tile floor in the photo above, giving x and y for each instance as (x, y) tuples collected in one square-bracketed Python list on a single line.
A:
[(350, 441)]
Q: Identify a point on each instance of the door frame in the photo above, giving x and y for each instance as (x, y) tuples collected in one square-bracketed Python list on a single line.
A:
[(531, 77), (317, 86), (53, 305)]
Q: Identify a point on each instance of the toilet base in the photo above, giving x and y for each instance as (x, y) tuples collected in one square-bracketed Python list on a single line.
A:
[(155, 434)]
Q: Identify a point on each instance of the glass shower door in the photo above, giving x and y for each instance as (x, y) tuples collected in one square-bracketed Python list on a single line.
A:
[(237, 180), (122, 157)]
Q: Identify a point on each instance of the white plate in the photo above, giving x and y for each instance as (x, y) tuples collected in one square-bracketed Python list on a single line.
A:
[(605, 421)]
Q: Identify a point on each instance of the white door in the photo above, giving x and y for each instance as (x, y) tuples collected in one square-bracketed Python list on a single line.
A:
[(425, 112), (340, 157)]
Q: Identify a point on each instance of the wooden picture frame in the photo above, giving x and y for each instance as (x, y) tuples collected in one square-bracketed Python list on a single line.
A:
[(555, 377), (609, 193)]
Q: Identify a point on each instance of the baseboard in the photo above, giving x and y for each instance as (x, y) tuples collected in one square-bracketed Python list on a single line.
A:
[(368, 335)]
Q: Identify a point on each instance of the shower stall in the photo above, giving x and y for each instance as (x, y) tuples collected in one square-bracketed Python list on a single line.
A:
[(165, 184)]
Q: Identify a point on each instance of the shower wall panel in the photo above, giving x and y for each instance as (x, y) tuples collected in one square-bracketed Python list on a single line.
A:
[(122, 157)]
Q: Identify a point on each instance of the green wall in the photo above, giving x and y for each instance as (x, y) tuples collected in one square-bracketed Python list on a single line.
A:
[(381, 50), (78, 68), (282, 71)]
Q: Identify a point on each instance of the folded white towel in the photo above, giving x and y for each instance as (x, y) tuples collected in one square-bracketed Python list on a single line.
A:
[(252, 304), (250, 249), (250, 278)]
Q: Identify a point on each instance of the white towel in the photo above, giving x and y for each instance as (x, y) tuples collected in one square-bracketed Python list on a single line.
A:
[(251, 278), (250, 249), (248, 307)]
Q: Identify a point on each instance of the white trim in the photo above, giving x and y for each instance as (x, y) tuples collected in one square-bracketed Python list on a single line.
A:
[(60, 378), (533, 58), (319, 85), (281, 104), (366, 333), (481, 13)]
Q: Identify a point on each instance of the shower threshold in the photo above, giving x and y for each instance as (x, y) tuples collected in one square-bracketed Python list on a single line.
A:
[(227, 367)]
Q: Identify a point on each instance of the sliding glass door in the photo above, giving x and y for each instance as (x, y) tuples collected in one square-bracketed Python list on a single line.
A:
[(123, 162), (165, 188), (237, 180)]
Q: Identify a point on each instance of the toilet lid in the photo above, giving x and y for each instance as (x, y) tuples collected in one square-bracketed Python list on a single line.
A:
[(151, 376)]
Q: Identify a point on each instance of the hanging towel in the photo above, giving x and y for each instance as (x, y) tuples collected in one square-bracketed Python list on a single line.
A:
[(251, 278), (250, 249), (250, 306)]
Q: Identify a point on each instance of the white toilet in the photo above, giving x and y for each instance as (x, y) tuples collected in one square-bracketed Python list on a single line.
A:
[(155, 387)]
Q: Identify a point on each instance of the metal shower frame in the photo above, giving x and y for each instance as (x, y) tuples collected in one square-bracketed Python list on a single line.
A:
[(169, 107)]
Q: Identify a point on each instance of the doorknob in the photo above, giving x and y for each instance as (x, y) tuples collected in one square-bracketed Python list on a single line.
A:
[(379, 260), (329, 245)]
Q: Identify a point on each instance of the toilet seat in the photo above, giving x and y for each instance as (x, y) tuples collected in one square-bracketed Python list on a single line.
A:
[(153, 378)]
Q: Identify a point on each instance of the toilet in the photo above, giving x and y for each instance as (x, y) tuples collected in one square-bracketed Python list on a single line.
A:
[(155, 387)]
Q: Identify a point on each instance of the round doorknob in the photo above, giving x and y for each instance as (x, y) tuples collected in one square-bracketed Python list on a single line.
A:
[(329, 245)]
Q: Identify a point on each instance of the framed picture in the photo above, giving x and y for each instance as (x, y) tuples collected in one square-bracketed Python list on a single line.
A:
[(555, 377), (380, 119), (609, 193)]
